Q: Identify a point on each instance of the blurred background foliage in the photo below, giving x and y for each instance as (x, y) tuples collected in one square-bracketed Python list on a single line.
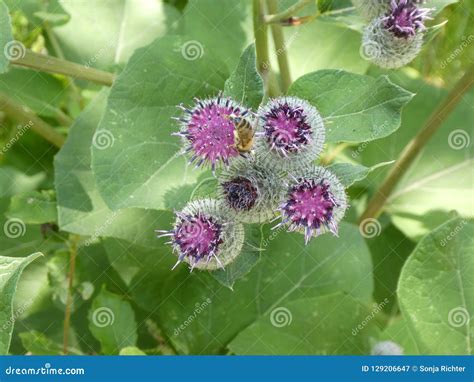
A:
[(91, 34)]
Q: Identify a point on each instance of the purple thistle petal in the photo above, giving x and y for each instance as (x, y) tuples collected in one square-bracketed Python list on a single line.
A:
[(209, 132), (404, 18)]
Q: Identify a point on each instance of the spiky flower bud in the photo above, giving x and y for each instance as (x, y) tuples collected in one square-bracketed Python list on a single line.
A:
[(251, 191), (395, 39), (370, 9), (208, 128), (204, 237), (290, 133), (315, 203)]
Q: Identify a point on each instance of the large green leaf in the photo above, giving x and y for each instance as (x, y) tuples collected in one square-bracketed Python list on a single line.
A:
[(287, 271), (355, 107), (111, 32), (135, 159), (34, 207), (222, 25), (112, 322), (349, 173), (436, 183), (389, 249), (5, 36), (10, 271), (321, 325), (245, 84), (81, 209), (436, 290), (41, 92)]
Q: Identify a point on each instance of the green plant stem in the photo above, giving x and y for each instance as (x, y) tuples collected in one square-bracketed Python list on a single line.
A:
[(28, 118), (411, 151), (59, 52), (50, 64), (261, 41), (280, 48), (73, 240), (287, 13)]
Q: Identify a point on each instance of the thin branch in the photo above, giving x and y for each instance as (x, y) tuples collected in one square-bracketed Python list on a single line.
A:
[(411, 151), (72, 270), (280, 48), (50, 64), (261, 41), (28, 118), (287, 13)]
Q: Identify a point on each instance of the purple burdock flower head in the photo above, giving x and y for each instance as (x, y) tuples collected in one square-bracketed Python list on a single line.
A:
[(395, 39), (250, 191), (208, 130), (315, 203), (204, 237), (290, 133), (404, 18)]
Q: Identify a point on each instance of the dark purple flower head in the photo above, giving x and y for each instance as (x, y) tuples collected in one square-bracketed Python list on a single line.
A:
[(315, 203), (250, 191), (291, 132), (404, 18), (209, 132), (197, 236), (240, 193), (203, 237)]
